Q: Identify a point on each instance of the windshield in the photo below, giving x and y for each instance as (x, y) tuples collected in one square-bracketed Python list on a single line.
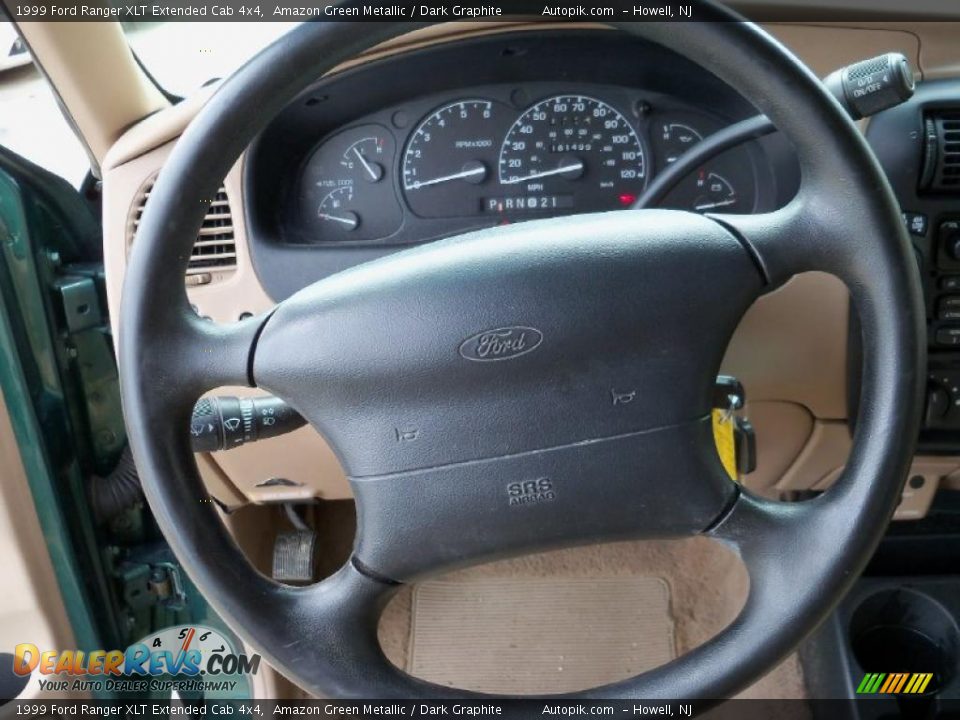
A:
[(185, 56), (31, 124)]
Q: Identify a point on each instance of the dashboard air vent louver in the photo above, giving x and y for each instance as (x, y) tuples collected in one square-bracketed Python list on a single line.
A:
[(215, 249), (942, 152)]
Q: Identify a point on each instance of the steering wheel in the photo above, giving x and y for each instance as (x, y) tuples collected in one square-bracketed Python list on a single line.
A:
[(531, 386)]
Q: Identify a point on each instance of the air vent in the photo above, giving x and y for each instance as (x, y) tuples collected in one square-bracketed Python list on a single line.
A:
[(942, 154), (215, 251)]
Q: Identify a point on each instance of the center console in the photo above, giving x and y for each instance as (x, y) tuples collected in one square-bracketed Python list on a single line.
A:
[(900, 622), (918, 145)]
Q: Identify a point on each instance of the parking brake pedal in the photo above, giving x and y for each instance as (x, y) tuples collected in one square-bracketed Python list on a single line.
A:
[(294, 551)]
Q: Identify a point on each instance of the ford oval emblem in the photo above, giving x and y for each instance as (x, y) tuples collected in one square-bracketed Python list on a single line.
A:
[(501, 344)]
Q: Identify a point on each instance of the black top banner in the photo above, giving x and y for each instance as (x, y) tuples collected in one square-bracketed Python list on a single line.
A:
[(139, 709), (483, 10)]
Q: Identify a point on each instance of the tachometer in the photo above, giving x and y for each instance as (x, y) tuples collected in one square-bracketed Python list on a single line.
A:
[(575, 150), (450, 154)]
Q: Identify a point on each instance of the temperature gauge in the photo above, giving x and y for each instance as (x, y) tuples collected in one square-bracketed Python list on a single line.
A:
[(343, 196), (365, 156)]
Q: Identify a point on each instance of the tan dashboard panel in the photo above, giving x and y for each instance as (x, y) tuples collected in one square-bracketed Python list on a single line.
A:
[(927, 474), (821, 459), (790, 349), (824, 48), (222, 301), (161, 128), (298, 466), (782, 430), (791, 346), (938, 49)]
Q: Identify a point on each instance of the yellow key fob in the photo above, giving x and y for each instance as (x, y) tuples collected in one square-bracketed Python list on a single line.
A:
[(723, 436)]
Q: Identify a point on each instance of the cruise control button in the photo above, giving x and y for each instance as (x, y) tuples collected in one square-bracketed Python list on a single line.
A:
[(916, 223), (950, 301), (949, 313), (948, 336), (951, 282)]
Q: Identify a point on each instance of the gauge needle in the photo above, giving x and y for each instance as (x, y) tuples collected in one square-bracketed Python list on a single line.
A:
[(715, 205), (545, 173), (472, 172), (351, 221), (366, 166)]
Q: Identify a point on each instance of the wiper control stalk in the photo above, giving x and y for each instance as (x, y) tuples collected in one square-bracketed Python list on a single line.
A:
[(226, 422)]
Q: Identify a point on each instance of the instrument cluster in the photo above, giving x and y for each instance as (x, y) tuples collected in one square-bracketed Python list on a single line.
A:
[(505, 153)]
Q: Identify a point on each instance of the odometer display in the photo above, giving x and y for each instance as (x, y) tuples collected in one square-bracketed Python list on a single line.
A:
[(574, 143)]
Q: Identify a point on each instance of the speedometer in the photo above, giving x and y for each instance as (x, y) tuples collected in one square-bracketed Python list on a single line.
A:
[(572, 151)]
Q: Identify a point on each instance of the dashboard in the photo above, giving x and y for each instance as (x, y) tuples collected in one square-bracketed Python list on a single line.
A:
[(793, 351), (490, 131), (504, 153)]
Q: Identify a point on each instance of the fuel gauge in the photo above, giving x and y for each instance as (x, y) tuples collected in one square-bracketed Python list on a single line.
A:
[(333, 208), (708, 190), (343, 196)]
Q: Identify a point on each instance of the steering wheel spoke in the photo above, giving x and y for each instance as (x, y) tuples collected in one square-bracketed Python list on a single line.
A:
[(778, 240), (814, 232), (217, 355)]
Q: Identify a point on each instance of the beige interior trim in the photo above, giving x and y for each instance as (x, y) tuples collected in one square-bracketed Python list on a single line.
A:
[(164, 127), (938, 48), (156, 130), (824, 454), (239, 476), (826, 47), (78, 56), (782, 431), (791, 346), (32, 609), (822, 55), (936, 43), (93, 71), (917, 498)]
